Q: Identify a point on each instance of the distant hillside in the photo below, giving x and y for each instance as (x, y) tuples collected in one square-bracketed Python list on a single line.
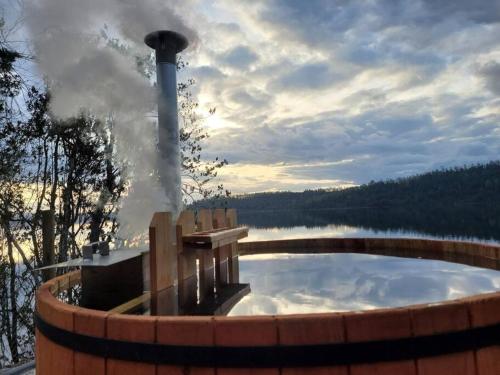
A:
[(478, 184)]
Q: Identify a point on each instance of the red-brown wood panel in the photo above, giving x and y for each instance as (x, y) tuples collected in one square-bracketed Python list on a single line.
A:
[(307, 330), (448, 317), (130, 328), (92, 323), (196, 331), (233, 261), (53, 358), (252, 331), (206, 257), (486, 311), (163, 264), (187, 275), (380, 325), (221, 253)]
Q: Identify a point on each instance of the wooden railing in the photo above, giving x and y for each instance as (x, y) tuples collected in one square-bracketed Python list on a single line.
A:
[(211, 239)]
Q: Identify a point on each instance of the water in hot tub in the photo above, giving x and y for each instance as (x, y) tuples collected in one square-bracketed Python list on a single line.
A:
[(295, 283)]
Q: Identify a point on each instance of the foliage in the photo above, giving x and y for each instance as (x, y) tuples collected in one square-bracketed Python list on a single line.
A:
[(197, 174), (16, 283), (69, 167), (64, 166)]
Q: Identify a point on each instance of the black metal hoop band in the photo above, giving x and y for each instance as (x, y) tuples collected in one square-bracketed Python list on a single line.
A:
[(276, 356)]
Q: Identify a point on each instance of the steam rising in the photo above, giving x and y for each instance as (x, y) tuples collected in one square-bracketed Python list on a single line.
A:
[(84, 73)]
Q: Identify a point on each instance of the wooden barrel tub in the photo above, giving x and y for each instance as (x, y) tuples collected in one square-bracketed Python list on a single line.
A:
[(452, 337)]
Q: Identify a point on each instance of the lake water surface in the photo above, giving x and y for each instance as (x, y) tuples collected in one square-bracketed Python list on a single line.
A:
[(469, 223)]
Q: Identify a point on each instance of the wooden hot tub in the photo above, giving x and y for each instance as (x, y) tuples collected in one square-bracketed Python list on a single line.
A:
[(453, 337)]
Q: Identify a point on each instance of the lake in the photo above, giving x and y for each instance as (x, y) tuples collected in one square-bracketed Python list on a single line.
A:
[(468, 223)]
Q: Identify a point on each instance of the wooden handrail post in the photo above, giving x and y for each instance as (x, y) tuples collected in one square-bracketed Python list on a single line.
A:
[(186, 263), (205, 257), (163, 265), (233, 261), (221, 253)]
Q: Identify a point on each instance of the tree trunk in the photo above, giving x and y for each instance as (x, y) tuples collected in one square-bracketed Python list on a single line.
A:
[(105, 195), (12, 335), (66, 214), (95, 224), (48, 233)]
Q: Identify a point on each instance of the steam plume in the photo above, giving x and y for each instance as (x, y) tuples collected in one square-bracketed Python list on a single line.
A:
[(84, 73)]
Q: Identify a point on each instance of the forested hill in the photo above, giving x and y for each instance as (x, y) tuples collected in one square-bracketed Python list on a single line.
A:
[(478, 184)]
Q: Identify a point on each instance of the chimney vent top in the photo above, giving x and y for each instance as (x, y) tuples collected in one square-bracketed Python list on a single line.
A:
[(163, 39)]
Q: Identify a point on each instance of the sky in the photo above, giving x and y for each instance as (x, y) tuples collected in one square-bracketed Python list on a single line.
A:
[(319, 94), (323, 94)]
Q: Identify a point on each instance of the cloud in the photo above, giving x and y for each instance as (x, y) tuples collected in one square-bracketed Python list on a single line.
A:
[(481, 11), (313, 22), (397, 87), (474, 149), (240, 57), (250, 99), (325, 23), (490, 72), (305, 77)]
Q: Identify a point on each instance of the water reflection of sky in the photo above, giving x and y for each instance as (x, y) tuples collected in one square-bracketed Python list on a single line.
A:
[(289, 284)]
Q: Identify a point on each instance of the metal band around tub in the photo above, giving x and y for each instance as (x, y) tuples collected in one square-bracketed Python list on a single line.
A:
[(276, 356)]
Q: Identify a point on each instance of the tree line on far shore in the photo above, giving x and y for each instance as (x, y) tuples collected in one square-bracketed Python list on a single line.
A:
[(466, 185)]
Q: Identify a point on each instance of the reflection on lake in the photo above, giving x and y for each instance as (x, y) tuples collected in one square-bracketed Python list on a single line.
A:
[(458, 223), (268, 234), (290, 284)]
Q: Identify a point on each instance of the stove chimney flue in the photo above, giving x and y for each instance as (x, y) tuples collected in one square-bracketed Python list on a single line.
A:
[(167, 44)]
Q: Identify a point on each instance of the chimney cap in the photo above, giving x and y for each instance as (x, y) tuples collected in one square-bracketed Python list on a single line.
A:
[(178, 40)]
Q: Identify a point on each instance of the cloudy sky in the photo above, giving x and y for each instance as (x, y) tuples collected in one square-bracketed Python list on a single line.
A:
[(323, 93)]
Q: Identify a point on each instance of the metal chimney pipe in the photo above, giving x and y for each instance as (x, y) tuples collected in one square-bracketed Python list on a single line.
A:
[(167, 44)]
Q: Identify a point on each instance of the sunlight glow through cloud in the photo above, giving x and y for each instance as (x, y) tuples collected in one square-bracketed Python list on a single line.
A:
[(276, 177), (399, 87)]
